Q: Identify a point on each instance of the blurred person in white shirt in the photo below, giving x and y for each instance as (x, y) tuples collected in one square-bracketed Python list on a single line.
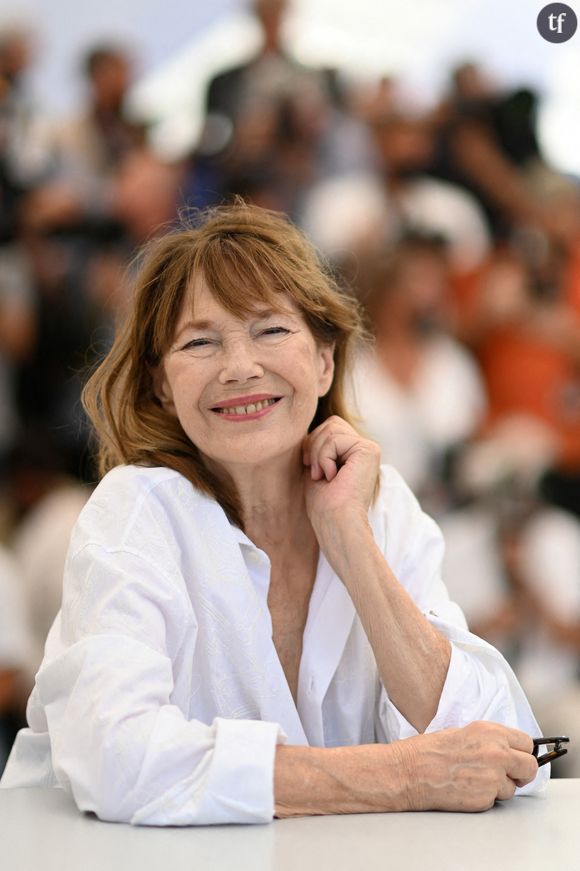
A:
[(417, 390)]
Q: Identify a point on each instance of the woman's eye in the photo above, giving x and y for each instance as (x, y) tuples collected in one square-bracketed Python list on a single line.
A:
[(274, 331), (197, 343)]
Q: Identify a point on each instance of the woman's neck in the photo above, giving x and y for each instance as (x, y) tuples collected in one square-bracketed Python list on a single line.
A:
[(272, 504)]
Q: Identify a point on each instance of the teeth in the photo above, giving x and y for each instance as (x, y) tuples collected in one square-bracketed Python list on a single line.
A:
[(248, 409)]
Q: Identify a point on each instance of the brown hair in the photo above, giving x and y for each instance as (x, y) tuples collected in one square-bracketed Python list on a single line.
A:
[(247, 256)]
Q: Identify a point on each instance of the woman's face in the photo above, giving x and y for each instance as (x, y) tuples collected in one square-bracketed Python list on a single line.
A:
[(244, 390)]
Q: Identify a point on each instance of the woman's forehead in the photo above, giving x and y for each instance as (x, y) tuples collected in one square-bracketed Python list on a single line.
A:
[(200, 299)]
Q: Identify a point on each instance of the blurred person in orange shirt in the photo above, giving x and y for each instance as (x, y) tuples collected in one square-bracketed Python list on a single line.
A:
[(523, 323)]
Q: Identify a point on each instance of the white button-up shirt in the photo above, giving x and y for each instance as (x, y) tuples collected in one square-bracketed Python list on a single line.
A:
[(161, 698)]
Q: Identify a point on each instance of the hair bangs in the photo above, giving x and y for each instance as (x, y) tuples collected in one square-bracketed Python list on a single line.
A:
[(240, 274)]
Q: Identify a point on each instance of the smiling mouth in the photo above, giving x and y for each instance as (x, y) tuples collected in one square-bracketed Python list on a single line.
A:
[(244, 410)]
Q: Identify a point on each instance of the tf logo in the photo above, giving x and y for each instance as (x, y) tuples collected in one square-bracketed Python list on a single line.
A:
[(557, 22)]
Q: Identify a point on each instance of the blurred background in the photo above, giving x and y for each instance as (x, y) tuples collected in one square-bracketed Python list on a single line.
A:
[(431, 152)]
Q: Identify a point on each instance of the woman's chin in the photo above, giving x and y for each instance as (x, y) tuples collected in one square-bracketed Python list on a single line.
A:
[(257, 457)]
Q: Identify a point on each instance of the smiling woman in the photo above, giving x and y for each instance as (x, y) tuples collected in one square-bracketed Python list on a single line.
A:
[(229, 268), (253, 615)]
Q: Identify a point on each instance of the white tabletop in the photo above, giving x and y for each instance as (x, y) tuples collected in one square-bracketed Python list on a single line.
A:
[(41, 830)]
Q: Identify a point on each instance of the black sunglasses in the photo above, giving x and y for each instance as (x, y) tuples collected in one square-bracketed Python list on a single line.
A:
[(552, 754)]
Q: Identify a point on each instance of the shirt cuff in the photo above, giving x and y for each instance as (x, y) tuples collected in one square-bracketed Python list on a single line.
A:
[(451, 710), (240, 787)]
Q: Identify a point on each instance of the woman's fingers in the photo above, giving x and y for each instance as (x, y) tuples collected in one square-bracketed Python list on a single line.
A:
[(343, 470), (522, 767), (506, 789), (328, 446), (333, 425), (328, 461), (329, 452), (519, 740)]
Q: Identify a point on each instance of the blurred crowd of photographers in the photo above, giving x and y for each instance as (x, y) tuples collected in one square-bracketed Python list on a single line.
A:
[(463, 246)]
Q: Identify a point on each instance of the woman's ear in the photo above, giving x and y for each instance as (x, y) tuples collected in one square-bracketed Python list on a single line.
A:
[(326, 358), (162, 389)]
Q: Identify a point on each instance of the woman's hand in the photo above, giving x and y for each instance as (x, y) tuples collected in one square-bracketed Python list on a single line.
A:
[(466, 769), (343, 472)]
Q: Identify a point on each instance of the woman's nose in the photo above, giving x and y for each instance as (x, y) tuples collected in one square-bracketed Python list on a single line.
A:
[(240, 362)]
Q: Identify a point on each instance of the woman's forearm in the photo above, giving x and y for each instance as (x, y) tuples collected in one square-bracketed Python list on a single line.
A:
[(412, 656), (339, 780)]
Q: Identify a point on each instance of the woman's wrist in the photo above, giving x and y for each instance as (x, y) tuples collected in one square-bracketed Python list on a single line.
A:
[(339, 532)]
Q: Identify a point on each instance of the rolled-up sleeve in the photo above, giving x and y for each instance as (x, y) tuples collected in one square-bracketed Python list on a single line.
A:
[(118, 744)]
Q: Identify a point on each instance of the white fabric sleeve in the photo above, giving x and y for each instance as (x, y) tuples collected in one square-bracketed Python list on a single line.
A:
[(480, 684), (118, 744)]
